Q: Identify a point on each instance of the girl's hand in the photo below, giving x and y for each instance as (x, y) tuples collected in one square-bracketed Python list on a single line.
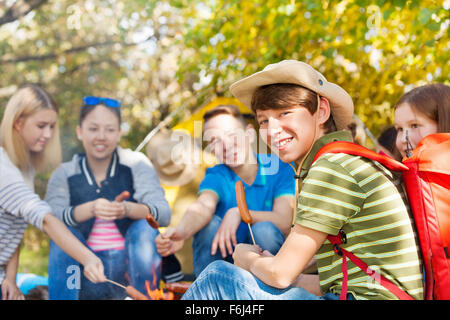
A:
[(107, 210), (244, 255), (225, 238), (10, 291), (94, 270)]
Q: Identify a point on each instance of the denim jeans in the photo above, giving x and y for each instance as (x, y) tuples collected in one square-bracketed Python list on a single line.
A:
[(224, 281), (266, 234), (139, 262)]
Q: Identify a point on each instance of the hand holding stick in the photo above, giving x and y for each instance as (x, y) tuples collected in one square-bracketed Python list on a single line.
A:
[(242, 205)]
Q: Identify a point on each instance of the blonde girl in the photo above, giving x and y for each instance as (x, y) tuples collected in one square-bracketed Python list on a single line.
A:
[(29, 141)]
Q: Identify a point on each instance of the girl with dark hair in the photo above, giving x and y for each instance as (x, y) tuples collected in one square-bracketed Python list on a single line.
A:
[(83, 193), (422, 111)]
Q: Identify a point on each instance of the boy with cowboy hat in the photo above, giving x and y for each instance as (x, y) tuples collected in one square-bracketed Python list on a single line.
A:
[(299, 112)]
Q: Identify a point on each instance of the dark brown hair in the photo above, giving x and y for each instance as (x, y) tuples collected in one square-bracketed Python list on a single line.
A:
[(433, 100), (285, 95), (225, 109), (86, 109)]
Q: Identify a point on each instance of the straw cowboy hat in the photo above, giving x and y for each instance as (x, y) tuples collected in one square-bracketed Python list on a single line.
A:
[(297, 72), (174, 155)]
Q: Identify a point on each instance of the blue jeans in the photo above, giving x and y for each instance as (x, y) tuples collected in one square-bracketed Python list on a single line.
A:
[(139, 262), (266, 234), (224, 281)]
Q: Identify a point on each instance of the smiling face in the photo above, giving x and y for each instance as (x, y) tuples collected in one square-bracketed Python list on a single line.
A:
[(413, 124), (100, 133), (291, 119), (228, 139), (289, 132), (37, 129)]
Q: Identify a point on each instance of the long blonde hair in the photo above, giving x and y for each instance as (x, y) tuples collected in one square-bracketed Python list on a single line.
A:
[(25, 102)]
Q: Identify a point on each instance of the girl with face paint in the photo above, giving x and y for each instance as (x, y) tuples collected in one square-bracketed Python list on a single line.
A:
[(420, 112)]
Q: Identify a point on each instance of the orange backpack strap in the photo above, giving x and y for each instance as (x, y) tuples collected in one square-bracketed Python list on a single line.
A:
[(357, 150)]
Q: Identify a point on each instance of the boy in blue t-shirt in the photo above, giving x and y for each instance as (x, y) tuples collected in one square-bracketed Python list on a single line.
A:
[(214, 219)]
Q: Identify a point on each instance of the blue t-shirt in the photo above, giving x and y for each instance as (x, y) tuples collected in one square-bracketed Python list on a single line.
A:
[(274, 179)]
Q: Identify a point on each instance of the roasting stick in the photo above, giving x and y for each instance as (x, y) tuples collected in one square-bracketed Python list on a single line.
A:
[(242, 205), (132, 292), (117, 284)]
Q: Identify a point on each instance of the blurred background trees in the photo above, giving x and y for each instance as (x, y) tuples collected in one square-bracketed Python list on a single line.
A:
[(161, 56)]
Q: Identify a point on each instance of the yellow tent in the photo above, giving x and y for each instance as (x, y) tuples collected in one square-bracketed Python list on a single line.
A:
[(189, 124)]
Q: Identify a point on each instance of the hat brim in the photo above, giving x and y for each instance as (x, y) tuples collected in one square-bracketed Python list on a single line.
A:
[(186, 176), (300, 73), (164, 139)]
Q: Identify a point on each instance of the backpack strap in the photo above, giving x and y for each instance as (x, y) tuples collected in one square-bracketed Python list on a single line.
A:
[(358, 150), (336, 241), (393, 288)]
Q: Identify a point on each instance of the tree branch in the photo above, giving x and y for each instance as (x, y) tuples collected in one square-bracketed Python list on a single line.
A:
[(68, 51), (20, 9)]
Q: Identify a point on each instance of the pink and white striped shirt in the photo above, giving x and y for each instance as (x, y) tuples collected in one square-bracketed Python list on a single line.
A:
[(105, 236)]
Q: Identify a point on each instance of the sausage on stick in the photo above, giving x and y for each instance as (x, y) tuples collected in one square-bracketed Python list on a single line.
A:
[(178, 287), (242, 205), (136, 295), (150, 219), (131, 291), (123, 196)]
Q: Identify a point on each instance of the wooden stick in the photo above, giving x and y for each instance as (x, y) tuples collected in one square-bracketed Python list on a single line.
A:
[(251, 233), (136, 295), (117, 284)]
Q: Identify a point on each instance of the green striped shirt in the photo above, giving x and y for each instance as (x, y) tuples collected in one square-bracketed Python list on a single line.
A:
[(359, 196)]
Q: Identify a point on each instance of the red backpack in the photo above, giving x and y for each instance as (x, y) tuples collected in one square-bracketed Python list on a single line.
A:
[(427, 180), (427, 184)]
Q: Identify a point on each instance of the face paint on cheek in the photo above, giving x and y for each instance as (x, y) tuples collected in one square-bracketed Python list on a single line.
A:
[(409, 146)]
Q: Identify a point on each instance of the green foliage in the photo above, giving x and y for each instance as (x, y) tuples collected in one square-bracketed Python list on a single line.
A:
[(374, 49), (159, 55)]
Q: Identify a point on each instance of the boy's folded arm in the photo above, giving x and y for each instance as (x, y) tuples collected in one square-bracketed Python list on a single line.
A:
[(281, 214), (283, 269)]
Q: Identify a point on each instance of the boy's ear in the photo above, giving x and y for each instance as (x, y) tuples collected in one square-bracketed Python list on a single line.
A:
[(324, 110)]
